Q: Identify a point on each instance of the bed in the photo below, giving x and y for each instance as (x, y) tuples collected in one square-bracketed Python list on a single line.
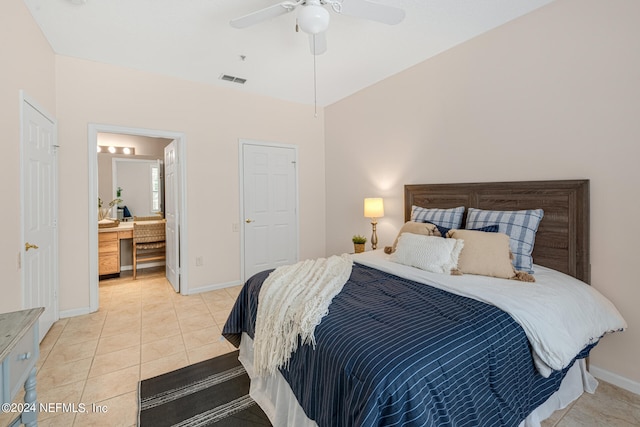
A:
[(392, 351)]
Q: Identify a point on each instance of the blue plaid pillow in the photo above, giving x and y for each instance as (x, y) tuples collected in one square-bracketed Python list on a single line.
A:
[(449, 218), (520, 226)]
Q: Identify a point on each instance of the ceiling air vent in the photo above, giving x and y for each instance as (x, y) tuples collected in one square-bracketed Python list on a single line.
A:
[(233, 79)]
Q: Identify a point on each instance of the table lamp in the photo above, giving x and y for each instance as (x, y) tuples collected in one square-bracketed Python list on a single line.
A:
[(374, 209)]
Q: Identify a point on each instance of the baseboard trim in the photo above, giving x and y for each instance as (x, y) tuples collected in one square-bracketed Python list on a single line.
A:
[(74, 312), (615, 379), (214, 287)]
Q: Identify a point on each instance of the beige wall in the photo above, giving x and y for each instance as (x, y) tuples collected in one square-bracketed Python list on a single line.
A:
[(212, 118), (27, 63), (552, 95)]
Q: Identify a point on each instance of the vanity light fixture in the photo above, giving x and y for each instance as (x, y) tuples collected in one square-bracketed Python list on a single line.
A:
[(116, 150)]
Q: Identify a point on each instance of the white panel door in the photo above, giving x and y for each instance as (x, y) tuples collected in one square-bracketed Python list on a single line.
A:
[(39, 215), (270, 207), (171, 165)]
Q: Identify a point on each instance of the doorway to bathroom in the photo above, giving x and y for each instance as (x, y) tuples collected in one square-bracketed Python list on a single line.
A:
[(132, 177)]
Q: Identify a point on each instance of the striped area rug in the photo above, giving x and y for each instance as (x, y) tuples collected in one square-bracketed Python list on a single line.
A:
[(210, 393)]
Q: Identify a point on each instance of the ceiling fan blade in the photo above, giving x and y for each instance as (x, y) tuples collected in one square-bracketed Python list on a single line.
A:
[(318, 43), (264, 14), (372, 11)]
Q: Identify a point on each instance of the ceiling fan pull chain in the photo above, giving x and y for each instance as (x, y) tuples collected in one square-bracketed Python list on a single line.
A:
[(315, 87)]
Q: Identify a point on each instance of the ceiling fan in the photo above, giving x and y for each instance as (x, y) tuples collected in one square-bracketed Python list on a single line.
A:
[(313, 17)]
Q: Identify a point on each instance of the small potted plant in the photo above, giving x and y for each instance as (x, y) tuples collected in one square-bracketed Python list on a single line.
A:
[(358, 243)]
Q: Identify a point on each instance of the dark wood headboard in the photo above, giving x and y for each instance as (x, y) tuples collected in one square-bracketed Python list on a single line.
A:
[(562, 240)]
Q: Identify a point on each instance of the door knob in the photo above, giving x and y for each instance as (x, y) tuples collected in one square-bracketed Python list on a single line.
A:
[(248, 221), (28, 246)]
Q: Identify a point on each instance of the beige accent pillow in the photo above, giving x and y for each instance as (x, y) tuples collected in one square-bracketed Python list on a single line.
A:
[(421, 228), (486, 254)]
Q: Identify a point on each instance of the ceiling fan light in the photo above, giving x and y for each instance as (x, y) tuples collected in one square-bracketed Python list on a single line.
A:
[(313, 19)]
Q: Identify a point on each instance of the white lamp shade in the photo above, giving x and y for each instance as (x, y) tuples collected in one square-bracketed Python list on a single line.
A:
[(313, 19), (373, 207)]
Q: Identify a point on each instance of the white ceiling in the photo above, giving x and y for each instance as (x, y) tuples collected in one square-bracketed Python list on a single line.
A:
[(192, 40)]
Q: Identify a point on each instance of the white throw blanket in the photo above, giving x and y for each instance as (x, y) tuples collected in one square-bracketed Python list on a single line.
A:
[(292, 302)]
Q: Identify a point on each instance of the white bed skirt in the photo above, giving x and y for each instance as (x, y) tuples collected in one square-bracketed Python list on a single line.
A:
[(278, 402)]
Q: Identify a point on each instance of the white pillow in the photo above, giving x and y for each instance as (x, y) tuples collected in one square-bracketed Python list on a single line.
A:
[(429, 253)]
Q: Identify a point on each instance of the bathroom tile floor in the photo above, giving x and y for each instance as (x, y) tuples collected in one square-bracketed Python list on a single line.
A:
[(144, 329)]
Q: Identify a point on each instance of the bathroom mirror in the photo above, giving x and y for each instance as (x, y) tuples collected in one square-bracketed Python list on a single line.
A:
[(140, 185)]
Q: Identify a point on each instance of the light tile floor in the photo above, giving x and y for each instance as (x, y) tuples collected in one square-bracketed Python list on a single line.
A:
[(144, 329)]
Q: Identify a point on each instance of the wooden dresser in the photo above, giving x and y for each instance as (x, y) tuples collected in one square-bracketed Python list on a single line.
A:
[(19, 351)]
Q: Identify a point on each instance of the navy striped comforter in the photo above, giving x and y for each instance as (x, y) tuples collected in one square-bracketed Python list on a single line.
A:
[(393, 352)]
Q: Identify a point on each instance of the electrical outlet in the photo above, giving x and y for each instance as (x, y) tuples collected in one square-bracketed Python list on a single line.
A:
[(198, 261)]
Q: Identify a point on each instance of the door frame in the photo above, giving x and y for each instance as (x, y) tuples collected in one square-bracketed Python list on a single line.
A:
[(25, 99), (241, 143), (92, 142)]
